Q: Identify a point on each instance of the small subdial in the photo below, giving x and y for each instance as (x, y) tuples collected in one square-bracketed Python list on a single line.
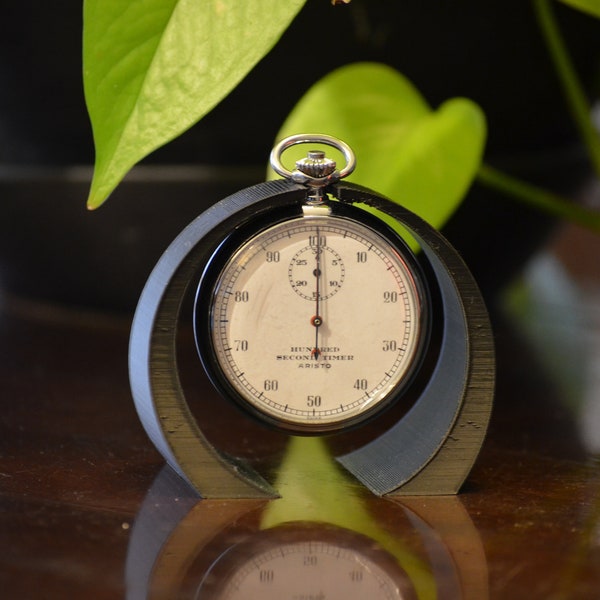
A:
[(305, 272)]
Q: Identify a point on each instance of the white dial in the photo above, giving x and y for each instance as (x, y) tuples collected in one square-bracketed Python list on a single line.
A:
[(316, 322)]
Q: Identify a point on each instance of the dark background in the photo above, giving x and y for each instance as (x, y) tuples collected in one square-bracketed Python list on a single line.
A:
[(489, 51)]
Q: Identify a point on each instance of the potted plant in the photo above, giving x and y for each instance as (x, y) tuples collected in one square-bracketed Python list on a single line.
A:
[(155, 68)]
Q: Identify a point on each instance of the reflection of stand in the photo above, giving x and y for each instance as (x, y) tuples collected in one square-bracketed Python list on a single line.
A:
[(163, 544), (177, 540), (429, 451), (460, 570)]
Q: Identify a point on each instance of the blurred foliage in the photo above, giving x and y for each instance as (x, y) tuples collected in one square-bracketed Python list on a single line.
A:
[(153, 68)]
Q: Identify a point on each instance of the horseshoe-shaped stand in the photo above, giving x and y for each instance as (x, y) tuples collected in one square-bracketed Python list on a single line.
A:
[(429, 451)]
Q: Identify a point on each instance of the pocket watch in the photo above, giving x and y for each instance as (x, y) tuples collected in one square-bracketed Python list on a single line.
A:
[(315, 317)]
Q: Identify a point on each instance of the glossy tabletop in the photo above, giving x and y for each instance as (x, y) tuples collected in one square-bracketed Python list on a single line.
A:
[(88, 509)]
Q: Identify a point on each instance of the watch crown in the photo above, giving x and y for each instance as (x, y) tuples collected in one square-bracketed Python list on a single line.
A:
[(316, 164)]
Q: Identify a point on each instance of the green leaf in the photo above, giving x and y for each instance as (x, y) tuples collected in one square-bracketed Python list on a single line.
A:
[(153, 68), (589, 6), (423, 159)]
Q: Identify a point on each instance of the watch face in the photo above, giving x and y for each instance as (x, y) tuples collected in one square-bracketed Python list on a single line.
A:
[(314, 323)]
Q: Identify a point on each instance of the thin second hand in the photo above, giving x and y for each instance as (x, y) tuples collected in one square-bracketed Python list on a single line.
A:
[(317, 318)]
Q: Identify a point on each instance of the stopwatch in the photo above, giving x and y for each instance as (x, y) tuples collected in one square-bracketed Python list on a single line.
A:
[(316, 320), (312, 314)]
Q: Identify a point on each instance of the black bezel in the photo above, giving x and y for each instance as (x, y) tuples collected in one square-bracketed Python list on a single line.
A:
[(240, 232)]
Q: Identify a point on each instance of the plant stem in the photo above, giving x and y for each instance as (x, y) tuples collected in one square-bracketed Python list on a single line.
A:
[(538, 197), (574, 94)]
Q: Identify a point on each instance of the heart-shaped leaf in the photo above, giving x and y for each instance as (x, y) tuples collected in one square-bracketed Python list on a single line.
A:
[(589, 6), (423, 159), (153, 68)]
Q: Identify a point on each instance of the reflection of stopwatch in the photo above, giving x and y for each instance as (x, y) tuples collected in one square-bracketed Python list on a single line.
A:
[(306, 562), (313, 317)]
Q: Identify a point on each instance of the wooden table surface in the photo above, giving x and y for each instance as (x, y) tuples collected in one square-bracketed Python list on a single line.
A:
[(87, 510)]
